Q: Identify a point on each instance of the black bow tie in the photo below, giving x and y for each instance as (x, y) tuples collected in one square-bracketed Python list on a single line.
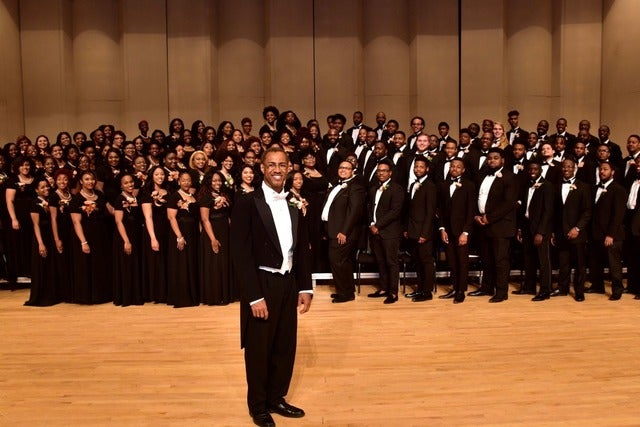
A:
[(601, 185), (532, 184), (531, 150), (567, 181), (483, 154), (449, 160), (629, 158), (454, 180)]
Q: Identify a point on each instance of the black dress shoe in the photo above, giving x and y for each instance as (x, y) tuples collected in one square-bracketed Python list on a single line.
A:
[(378, 294), (286, 410), (424, 296), (412, 294), (637, 296), (390, 299), (479, 293), (497, 299), (541, 296), (625, 291), (458, 298), (593, 291), (579, 298), (558, 293), (263, 419), (343, 298), (615, 296), (448, 295), (334, 295), (523, 291)]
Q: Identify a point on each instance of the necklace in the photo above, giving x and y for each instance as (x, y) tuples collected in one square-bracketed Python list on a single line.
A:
[(91, 196), (129, 198), (26, 181), (66, 197), (184, 195)]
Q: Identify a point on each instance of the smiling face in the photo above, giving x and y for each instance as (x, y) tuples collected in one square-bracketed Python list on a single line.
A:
[(88, 182), (275, 168), (127, 184), (247, 175)]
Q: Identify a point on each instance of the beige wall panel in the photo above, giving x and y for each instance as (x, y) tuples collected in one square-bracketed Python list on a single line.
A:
[(484, 89), (434, 72), (580, 62), (11, 98), (387, 60), (241, 60), (620, 82), (98, 67), (145, 65), (529, 61), (45, 60), (289, 57), (189, 30)]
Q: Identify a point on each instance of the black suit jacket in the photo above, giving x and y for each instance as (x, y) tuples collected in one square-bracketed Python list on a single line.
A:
[(574, 212), (501, 205), (554, 173), (540, 219), (586, 171), (608, 213), (389, 212), (337, 157), (345, 213), (254, 243), (455, 213), (421, 211)]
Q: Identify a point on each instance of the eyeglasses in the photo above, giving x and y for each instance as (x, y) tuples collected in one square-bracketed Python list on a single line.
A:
[(272, 166)]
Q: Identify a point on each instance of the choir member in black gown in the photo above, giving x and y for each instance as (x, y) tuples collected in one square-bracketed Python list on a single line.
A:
[(107, 175), (182, 266), (19, 196), (92, 259), (63, 236), (314, 189), (5, 219), (153, 199), (43, 284), (215, 278), (198, 167), (171, 170), (127, 246)]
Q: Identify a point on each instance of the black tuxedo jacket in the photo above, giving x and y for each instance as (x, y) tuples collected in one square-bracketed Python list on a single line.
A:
[(520, 133), (455, 213), (471, 166), (608, 213), (632, 175), (421, 211), (436, 169), (337, 157), (389, 212), (574, 212), (633, 219), (554, 173), (570, 140), (586, 171), (501, 205), (540, 219), (254, 243), (347, 209)]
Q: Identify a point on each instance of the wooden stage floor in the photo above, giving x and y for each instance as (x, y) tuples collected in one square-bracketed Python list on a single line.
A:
[(551, 363)]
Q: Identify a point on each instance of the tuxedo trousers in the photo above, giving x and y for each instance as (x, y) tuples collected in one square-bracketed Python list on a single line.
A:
[(458, 260), (385, 252), (495, 264), (270, 345), (598, 253), (341, 263), (571, 255), (630, 253), (422, 254), (536, 257)]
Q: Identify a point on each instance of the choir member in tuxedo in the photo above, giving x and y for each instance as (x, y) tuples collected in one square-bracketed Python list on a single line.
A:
[(333, 154), (344, 139), (584, 126), (399, 146), (561, 129), (342, 215), (496, 218), (603, 155), (607, 232), (381, 119), (572, 216), (513, 117), (533, 145), (365, 152), (442, 162), (560, 147), (628, 166), (476, 159), (417, 128), (403, 173), (267, 240), (385, 227), (520, 164), (443, 131), (357, 125), (535, 225), (474, 132), (585, 166), (380, 153), (419, 228), (456, 200), (603, 139), (550, 168), (464, 143), (541, 130), (632, 239)]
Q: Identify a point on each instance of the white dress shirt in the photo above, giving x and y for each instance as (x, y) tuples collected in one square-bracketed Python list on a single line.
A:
[(485, 187)]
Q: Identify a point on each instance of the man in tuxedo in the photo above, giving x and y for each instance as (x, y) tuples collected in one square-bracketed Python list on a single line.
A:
[(385, 227), (550, 167), (334, 154), (342, 215), (344, 138), (585, 166), (628, 166), (476, 159), (535, 224), (561, 129), (585, 126), (496, 219), (464, 143), (513, 117), (442, 162), (403, 173), (573, 213), (542, 129), (370, 169), (603, 138), (607, 232), (270, 242), (520, 164), (357, 125), (632, 238), (366, 151), (419, 229), (456, 206), (417, 127), (381, 119), (443, 131)]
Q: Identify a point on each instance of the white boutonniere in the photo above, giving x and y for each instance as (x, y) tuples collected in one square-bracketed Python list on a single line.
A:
[(581, 164), (417, 186), (115, 172), (520, 167), (499, 175), (173, 176), (383, 187), (44, 204), (572, 187), (343, 185), (89, 207), (63, 204), (537, 185), (3, 177), (604, 190), (229, 181), (458, 184), (21, 185)]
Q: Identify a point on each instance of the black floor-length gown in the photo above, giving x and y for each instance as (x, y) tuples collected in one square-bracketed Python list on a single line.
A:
[(127, 269), (18, 244), (92, 272), (182, 266), (314, 190), (44, 290), (63, 263), (215, 269), (154, 263)]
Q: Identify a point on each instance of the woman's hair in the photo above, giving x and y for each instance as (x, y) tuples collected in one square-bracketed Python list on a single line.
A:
[(192, 160), (149, 184), (288, 184), (271, 108), (21, 160)]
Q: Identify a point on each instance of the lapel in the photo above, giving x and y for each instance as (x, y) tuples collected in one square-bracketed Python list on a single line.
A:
[(267, 219), (294, 214)]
